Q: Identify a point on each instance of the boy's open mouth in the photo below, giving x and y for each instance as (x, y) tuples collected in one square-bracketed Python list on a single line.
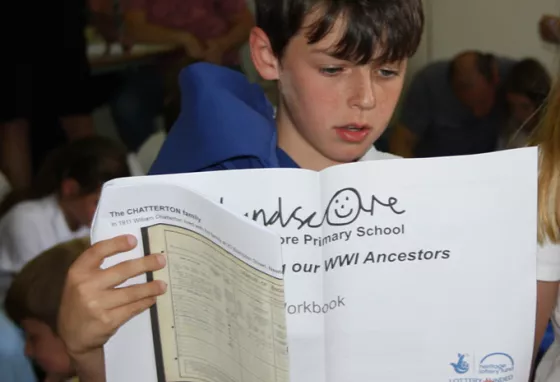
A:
[(353, 133)]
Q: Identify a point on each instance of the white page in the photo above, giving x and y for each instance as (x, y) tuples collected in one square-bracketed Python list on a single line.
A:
[(247, 192), (473, 291), (257, 337), (129, 354)]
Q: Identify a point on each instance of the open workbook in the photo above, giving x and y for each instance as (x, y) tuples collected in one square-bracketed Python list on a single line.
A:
[(393, 270)]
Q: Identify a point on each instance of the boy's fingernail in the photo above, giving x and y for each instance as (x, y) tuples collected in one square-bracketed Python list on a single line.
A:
[(161, 259), (163, 285), (132, 240)]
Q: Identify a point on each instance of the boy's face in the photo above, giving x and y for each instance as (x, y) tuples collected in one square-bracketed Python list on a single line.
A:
[(80, 206), (46, 348), (86, 206), (331, 111)]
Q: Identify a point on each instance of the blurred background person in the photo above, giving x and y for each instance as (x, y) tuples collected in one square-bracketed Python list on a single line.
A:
[(211, 31), (527, 88), (453, 107)]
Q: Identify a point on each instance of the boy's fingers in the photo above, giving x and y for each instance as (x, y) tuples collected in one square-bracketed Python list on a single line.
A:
[(94, 256), (121, 272), (121, 297), (124, 313)]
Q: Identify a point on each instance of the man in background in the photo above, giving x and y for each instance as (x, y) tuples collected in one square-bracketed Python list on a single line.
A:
[(453, 108)]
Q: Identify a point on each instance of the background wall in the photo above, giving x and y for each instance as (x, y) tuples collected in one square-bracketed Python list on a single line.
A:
[(505, 27)]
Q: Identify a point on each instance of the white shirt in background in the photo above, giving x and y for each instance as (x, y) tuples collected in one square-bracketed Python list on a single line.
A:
[(148, 152), (28, 229), (134, 165), (549, 270)]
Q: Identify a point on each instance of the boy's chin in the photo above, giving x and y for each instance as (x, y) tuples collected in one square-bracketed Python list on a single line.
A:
[(349, 154)]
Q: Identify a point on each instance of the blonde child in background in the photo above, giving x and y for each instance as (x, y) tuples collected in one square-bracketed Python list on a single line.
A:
[(548, 139)]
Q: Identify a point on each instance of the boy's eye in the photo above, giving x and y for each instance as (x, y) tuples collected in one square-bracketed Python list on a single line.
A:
[(331, 71), (387, 73)]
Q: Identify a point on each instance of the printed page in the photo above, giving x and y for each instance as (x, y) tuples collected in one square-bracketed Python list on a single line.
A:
[(441, 308), (285, 201), (222, 317), (434, 279), (222, 320)]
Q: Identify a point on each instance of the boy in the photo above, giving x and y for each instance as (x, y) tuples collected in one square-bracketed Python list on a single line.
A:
[(33, 300), (339, 67)]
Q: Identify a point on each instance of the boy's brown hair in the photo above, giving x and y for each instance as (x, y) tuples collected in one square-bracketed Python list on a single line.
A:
[(394, 27), (36, 290)]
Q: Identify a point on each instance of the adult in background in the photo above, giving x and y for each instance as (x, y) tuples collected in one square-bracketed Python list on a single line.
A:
[(134, 92), (453, 107), (211, 31)]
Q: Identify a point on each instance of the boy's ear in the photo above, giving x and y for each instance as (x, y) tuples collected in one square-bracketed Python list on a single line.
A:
[(69, 188), (263, 56)]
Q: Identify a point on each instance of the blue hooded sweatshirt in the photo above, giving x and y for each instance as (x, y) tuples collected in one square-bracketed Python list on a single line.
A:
[(225, 123)]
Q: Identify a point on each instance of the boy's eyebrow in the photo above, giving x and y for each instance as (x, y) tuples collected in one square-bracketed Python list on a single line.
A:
[(332, 54), (328, 52), (322, 51)]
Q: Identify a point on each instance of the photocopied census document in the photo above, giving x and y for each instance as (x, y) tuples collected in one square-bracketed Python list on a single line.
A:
[(222, 318), (394, 270)]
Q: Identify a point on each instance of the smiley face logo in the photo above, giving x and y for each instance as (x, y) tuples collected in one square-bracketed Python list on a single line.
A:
[(344, 207)]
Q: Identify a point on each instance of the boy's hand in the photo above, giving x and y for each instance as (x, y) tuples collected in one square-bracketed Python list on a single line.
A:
[(92, 309)]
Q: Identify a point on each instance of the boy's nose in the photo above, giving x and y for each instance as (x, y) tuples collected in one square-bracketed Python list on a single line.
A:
[(363, 96)]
